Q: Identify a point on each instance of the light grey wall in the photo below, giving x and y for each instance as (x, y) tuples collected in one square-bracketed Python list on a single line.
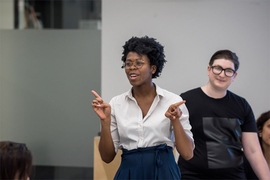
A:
[(191, 31), (46, 78)]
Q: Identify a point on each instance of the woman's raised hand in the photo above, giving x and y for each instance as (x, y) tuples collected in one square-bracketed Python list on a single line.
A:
[(102, 109), (174, 112)]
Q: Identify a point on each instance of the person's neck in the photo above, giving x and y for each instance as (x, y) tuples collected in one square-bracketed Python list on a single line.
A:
[(144, 91), (212, 92)]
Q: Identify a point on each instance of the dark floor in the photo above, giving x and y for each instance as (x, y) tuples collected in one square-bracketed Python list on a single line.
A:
[(61, 173)]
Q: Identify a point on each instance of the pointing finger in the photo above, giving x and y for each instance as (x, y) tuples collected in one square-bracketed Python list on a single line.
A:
[(95, 94), (179, 103)]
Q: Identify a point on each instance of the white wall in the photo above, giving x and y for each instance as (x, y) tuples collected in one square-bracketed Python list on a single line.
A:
[(191, 31)]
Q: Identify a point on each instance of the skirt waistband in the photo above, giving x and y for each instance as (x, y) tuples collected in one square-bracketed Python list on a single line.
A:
[(148, 149), (154, 149)]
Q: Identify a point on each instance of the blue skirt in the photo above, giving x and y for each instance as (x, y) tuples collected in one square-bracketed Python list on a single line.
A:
[(149, 163)]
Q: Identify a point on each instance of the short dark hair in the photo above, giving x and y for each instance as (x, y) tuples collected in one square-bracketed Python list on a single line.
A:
[(149, 47), (261, 121), (15, 160), (226, 54)]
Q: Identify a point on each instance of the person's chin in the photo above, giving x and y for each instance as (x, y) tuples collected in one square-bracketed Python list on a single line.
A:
[(134, 83), (222, 87)]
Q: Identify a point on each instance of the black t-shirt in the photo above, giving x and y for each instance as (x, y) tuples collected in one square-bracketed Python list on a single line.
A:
[(217, 126)]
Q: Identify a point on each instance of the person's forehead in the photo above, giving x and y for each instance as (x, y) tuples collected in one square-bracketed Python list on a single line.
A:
[(267, 122), (135, 56), (224, 63)]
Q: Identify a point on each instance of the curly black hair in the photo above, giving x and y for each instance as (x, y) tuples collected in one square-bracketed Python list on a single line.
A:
[(149, 47)]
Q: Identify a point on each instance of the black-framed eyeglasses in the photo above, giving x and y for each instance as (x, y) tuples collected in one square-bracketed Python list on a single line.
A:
[(138, 64), (218, 70)]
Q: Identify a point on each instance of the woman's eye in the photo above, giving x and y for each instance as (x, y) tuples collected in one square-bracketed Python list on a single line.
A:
[(128, 64)]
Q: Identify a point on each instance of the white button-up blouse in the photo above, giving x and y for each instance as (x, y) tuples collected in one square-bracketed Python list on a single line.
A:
[(131, 131)]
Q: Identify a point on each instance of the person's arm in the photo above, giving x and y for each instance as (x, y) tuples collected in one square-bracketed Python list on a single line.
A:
[(254, 155), (106, 145), (183, 142)]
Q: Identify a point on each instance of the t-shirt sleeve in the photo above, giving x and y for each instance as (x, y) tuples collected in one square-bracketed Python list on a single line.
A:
[(249, 121)]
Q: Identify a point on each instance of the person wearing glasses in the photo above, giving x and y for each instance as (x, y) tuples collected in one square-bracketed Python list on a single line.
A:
[(15, 161), (146, 122), (223, 126)]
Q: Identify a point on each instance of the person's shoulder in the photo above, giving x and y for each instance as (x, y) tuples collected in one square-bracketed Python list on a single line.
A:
[(167, 94), (239, 102), (121, 96), (235, 96), (191, 91), (160, 90)]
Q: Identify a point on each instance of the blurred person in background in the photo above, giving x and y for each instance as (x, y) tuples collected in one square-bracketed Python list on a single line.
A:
[(15, 161), (263, 125)]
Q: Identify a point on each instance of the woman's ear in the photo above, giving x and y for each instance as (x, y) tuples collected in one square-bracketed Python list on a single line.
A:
[(260, 133), (153, 69)]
